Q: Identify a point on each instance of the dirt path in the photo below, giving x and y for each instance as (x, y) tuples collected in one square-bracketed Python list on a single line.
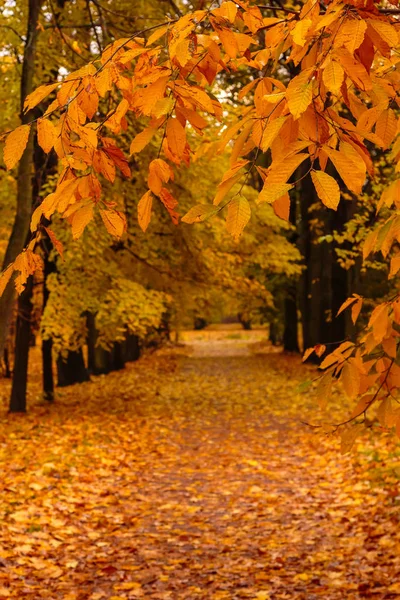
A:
[(189, 478)]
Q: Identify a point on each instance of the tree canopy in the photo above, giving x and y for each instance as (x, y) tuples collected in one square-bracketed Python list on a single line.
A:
[(281, 92)]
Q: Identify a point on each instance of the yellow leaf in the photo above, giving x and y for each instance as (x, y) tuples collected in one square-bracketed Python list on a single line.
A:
[(159, 172), (157, 34), (351, 34), (300, 30), (347, 303), (386, 127), (141, 140), (199, 213), (379, 321), (46, 133), (80, 219), (307, 353), (163, 106), (38, 95), (333, 76), (270, 132), (227, 10), (394, 266), (282, 207), (281, 170), (144, 210), (127, 585), (114, 221), (182, 51), (354, 69), (176, 137), (272, 192), (238, 216), (229, 42), (299, 93), (351, 172), (390, 346), (349, 435), (386, 32), (324, 390), (356, 309), (56, 243), (224, 188), (15, 145), (327, 189), (350, 379)]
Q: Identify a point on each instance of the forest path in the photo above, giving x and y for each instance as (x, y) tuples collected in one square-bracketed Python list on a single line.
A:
[(190, 477)]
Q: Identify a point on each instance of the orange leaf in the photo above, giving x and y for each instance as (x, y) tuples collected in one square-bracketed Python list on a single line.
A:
[(176, 137), (308, 353), (238, 216), (144, 210), (299, 93), (114, 221), (141, 140), (56, 243), (327, 189), (282, 207), (38, 95), (15, 145), (80, 219)]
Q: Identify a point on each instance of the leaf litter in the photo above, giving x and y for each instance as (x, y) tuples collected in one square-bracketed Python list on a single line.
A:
[(192, 477)]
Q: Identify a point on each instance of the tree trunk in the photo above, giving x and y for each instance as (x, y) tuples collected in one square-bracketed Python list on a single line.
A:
[(290, 338), (316, 280), (131, 348), (47, 345), (6, 361), (72, 369), (290, 333), (24, 188), (47, 363), (245, 323), (100, 360), (23, 334)]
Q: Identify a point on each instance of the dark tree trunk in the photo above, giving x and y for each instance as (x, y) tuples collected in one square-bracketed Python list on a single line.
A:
[(23, 334), (6, 361), (316, 279), (117, 357), (325, 285), (102, 361), (290, 338), (47, 362), (274, 333), (98, 357), (131, 348), (245, 323), (47, 345), (71, 369), (290, 333), (24, 186)]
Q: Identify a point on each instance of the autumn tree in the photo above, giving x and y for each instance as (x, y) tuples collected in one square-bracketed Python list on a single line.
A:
[(330, 114)]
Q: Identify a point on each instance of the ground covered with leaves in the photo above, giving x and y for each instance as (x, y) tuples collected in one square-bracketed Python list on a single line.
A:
[(192, 477)]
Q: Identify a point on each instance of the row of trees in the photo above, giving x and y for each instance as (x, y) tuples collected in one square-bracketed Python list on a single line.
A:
[(302, 269)]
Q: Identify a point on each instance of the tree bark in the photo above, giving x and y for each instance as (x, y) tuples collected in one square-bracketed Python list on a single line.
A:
[(24, 188), (290, 333), (47, 345), (23, 333), (131, 348), (72, 369)]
